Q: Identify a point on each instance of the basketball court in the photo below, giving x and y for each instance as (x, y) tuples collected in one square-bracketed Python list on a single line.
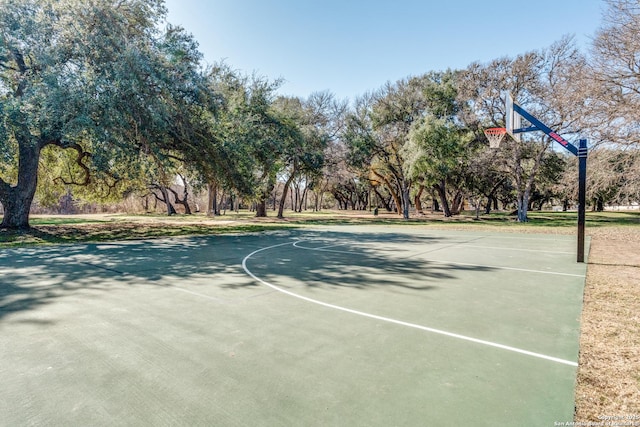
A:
[(343, 325)]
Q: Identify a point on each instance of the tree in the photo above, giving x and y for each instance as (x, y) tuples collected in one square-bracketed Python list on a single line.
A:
[(347, 182), (439, 151), (439, 146), (613, 85), (396, 109), (547, 187), (377, 131), (99, 79), (485, 178), (318, 121), (547, 83), (303, 150), (272, 135), (614, 75), (613, 177), (227, 158)]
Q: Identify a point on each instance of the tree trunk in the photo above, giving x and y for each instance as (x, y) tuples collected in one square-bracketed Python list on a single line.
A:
[(165, 194), (16, 201), (524, 191), (183, 201), (406, 199), (457, 204), (492, 203), (436, 204), (487, 208), (285, 191), (212, 202), (305, 199), (268, 184), (185, 196), (522, 205), (17, 204), (393, 193), (418, 201), (261, 207), (386, 203), (442, 193), (366, 200), (223, 202), (491, 197)]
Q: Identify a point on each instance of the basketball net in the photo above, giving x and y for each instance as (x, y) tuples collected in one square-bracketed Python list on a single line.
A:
[(495, 136)]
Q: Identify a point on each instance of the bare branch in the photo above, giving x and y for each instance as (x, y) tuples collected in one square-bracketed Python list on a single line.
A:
[(79, 161)]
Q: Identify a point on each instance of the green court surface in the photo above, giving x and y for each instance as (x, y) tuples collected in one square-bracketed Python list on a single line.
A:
[(344, 325)]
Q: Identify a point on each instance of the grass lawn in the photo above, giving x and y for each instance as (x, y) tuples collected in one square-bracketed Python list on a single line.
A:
[(609, 365)]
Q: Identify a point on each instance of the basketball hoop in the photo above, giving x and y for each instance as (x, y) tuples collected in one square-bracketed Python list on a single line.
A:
[(495, 136)]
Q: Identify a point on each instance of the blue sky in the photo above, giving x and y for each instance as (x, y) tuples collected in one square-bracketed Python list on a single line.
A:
[(351, 46)]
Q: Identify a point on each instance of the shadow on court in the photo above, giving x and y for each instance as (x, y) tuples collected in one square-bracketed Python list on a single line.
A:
[(33, 277), (359, 261)]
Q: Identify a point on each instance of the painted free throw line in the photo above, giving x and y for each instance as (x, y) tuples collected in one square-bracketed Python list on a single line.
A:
[(394, 321)]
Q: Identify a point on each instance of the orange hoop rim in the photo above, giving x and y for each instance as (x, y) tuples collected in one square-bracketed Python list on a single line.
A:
[(495, 131), (495, 135)]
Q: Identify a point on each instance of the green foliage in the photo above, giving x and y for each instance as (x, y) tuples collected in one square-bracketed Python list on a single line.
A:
[(440, 90), (437, 148), (305, 138), (359, 136), (104, 82)]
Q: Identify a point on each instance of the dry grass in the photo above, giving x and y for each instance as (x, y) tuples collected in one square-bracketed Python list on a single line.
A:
[(609, 365), (98, 229)]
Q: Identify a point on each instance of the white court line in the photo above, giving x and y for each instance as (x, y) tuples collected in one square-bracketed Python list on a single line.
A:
[(505, 268), (551, 239), (394, 321), (461, 243), (497, 267), (329, 246), (520, 249), (198, 294)]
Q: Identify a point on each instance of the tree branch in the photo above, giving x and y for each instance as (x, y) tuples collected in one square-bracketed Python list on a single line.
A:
[(22, 68), (175, 194), (19, 58), (154, 186), (79, 161), (6, 67)]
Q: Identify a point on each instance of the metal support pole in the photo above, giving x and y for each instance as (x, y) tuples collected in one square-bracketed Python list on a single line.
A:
[(581, 152), (582, 198)]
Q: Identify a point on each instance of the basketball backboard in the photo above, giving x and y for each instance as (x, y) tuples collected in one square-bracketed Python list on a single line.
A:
[(513, 120)]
